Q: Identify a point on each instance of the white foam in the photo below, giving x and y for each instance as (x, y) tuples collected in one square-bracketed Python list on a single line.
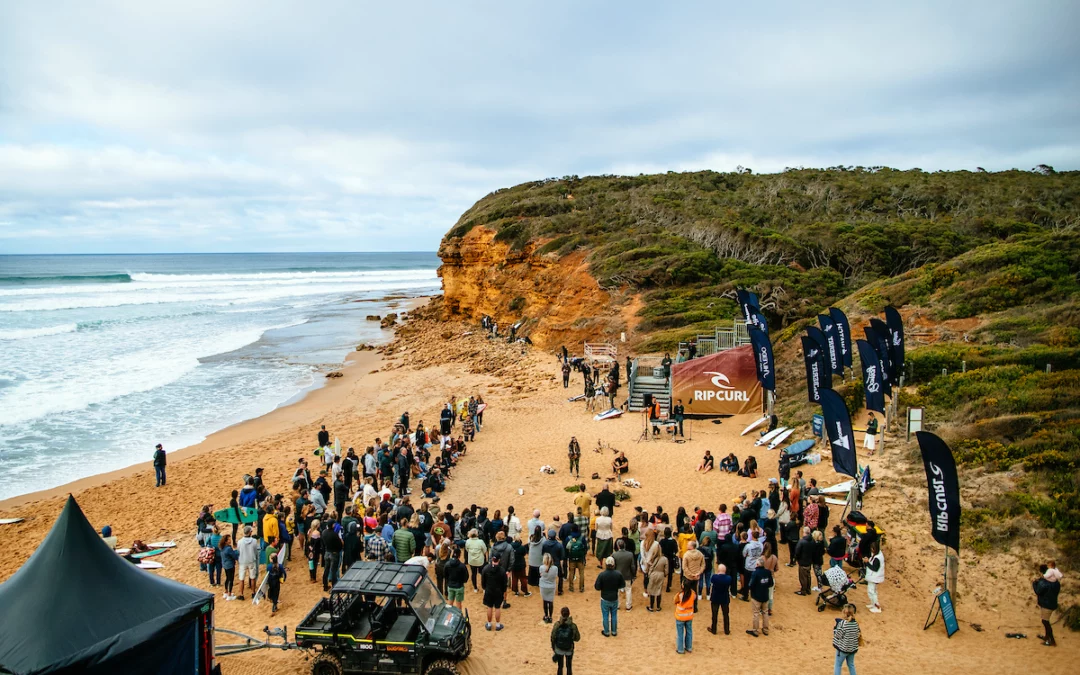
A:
[(26, 333), (88, 381)]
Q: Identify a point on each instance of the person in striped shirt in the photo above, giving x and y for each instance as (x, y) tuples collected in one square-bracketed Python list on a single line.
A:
[(722, 525), (846, 640)]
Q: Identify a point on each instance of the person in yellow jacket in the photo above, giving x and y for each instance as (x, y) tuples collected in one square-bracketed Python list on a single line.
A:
[(684, 618), (270, 525)]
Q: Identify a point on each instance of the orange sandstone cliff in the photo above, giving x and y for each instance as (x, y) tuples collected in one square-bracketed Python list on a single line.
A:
[(561, 302)]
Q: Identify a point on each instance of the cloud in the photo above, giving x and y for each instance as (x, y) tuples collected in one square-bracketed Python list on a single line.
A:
[(259, 126)]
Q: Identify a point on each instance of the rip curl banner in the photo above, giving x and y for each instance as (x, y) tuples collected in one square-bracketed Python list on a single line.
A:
[(895, 325), (871, 377), (724, 383), (836, 358), (841, 438), (763, 356), (843, 331), (815, 374), (881, 346), (944, 487)]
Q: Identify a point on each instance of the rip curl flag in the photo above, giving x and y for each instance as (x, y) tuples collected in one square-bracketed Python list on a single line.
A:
[(944, 487), (763, 357)]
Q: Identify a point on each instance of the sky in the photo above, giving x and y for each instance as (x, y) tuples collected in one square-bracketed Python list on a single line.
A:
[(134, 127)]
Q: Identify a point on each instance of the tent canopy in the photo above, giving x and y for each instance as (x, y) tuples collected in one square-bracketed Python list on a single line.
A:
[(76, 605)]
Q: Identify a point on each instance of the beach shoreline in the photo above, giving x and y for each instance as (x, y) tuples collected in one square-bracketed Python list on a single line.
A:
[(322, 394)]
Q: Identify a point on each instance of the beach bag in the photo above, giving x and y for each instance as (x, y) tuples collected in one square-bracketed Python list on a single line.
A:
[(207, 555), (564, 637)]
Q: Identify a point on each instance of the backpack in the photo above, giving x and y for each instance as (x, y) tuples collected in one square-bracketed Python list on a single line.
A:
[(207, 555), (577, 549), (564, 636)]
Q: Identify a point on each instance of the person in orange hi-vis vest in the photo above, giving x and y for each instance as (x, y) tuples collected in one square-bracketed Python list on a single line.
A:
[(684, 619)]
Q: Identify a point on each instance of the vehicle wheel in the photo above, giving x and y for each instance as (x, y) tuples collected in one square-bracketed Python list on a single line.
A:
[(327, 663), (441, 667)]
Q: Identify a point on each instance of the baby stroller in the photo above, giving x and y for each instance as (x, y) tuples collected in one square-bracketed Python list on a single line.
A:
[(835, 593)]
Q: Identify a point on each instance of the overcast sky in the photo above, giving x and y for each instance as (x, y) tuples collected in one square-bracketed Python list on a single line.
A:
[(284, 126)]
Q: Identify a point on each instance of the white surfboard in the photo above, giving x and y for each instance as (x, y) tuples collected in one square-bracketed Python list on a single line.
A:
[(609, 414), (754, 425), (780, 438), (838, 489), (150, 565), (769, 436), (261, 593), (162, 544)]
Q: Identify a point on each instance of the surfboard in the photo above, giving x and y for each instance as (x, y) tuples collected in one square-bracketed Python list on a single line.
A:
[(575, 398), (800, 446), (150, 565), (261, 593), (769, 436), (838, 489), (148, 554), (780, 438), (247, 516), (10, 521), (754, 425), (162, 544), (609, 414)]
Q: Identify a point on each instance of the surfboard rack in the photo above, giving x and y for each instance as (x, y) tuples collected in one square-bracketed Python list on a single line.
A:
[(250, 643)]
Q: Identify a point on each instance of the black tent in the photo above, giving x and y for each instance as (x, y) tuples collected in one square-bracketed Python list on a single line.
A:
[(78, 607)]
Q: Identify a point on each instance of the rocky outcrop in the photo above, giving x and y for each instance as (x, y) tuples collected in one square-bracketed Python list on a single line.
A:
[(558, 297)]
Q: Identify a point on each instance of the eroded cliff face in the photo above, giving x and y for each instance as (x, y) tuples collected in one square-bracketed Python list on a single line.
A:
[(560, 299)]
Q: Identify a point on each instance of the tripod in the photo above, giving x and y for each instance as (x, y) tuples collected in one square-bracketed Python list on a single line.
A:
[(644, 427)]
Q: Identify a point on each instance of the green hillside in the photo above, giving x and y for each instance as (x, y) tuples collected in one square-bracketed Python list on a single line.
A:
[(987, 263)]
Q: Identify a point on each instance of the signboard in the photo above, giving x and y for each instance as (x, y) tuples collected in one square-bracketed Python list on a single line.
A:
[(914, 421), (948, 614), (817, 425), (724, 383)]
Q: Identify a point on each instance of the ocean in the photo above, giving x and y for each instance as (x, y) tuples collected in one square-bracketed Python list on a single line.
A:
[(104, 356)]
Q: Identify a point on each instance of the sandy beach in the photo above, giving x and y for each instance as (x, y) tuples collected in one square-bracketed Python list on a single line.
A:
[(528, 424)]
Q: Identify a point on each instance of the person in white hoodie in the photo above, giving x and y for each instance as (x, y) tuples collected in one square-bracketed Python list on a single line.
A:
[(248, 548)]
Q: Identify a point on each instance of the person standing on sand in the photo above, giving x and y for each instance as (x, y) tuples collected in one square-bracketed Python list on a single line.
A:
[(1046, 590), (574, 453), (608, 583), (875, 576), (493, 580), (248, 559), (563, 636), (324, 437), (721, 598), (846, 640), (685, 606), (159, 466), (870, 438)]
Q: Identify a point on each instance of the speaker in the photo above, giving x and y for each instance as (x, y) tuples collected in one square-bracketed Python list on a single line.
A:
[(648, 399)]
